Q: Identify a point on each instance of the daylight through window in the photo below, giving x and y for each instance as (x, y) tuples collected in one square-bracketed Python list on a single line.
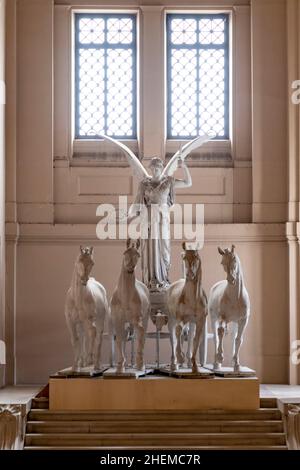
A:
[(197, 75), (105, 75)]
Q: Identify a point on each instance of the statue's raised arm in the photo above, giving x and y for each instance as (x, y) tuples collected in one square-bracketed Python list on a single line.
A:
[(138, 169), (183, 152)]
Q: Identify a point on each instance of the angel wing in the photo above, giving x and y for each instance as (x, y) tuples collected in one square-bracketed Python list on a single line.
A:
[(183, 152), (138, 169)]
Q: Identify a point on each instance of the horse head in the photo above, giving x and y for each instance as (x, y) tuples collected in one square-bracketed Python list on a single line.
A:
[(192, 263), (131, 255), (230, 264), (85, 263)]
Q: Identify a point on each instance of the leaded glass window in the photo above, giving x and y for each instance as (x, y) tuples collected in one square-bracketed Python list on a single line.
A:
[(105, 75), (198, 75)]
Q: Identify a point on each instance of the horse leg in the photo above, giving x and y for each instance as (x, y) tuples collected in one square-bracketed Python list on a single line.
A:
[(98, 340), (238, 342), (218, 339), (199, 329), (120, 343), (192, 329), (111, 337), (220, 353), (140, 336), (171, 327), (75, 341), (216, 342), (179, 354), (90, 335), (203, 345)]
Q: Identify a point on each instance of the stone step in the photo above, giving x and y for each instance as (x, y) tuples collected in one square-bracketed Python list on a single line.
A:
[(153, 426), (40, 403), (268, 402), (180, 415), (232, 447), (157, 439), (43, 403)]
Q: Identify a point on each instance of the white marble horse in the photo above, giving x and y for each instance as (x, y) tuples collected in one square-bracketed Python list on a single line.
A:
[(229, 302), (130, 306), (86, 308), (187, 305)]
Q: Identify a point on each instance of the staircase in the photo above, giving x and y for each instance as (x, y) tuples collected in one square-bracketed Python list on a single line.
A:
[(201, 430)]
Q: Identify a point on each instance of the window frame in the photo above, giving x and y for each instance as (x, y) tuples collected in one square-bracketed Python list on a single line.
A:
[(151, 140), (77, 46), (169, 16)]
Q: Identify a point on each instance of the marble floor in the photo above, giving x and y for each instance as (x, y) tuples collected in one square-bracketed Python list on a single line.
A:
[(19, 394), (282, 392)]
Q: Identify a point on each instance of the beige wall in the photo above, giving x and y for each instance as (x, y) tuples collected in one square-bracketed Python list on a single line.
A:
[(52, 197), (293, 226), (2, 179)]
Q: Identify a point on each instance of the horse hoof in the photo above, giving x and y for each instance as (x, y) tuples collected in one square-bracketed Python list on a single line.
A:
[(180, 359), (89, 361), (220, 358)]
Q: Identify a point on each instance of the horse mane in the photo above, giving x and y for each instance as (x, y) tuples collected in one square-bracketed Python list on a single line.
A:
[(199, 279)]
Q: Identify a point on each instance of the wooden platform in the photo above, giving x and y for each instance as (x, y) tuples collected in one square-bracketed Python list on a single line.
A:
[(153, 393)]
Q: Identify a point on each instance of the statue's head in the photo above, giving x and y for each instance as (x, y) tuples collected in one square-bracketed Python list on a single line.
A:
[(156, 166), (230, 264), (85, 263)]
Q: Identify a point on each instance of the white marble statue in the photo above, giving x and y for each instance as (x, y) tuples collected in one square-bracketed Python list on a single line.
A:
[(156, 194), (130, 306), (229, 302), (86, 308), (187, 305)]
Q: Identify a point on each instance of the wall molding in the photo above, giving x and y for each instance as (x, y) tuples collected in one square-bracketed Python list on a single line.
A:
[(75, 233)]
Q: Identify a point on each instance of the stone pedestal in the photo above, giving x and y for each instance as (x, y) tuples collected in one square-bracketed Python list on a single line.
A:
[(153, 393), (229, 372), (186, 373), (84, 372), (129, 373)]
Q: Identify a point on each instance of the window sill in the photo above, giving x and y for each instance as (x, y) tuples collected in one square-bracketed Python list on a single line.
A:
[(208, 159)]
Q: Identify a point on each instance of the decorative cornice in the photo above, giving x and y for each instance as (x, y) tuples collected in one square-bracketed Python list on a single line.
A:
[(208, 159), (293, 426), (11, 427), (213, 233)]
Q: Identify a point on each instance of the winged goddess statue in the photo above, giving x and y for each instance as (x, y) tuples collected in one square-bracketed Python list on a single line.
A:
[(155, 196)]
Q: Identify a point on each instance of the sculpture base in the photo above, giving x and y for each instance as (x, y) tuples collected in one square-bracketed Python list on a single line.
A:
[(158, 303), (88, 371), (153, 393), (229, 372), (186, 373), (128, 374)]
